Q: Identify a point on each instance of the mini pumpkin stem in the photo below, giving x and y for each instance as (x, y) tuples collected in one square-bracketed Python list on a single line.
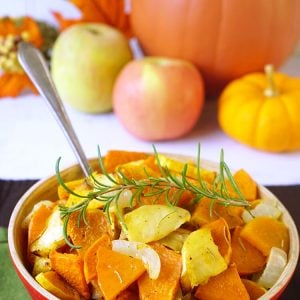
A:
[(271, 90)]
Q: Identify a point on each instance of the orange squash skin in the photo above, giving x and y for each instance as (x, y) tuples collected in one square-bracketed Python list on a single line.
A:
[(225, 39), (266, 123)]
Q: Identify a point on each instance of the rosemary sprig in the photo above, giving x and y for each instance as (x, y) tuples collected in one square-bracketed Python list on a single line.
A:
[(169, 185)]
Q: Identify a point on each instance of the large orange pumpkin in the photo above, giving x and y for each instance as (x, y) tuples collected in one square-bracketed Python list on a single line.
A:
[(224, 38)]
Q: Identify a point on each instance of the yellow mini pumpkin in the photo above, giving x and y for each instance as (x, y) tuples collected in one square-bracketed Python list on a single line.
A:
[(262, 111)]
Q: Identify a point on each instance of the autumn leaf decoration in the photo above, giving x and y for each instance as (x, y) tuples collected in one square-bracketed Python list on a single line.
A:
[(13, 80), (110, 12)]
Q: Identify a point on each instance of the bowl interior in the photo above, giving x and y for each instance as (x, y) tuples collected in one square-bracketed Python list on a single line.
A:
[(46, 189)]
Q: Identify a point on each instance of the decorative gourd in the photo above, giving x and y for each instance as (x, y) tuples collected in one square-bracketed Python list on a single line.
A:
[(225, 39), (13, 80), (262, 111)]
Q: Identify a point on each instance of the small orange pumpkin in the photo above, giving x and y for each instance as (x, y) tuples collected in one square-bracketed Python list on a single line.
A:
[(262, 111), (225, 39)]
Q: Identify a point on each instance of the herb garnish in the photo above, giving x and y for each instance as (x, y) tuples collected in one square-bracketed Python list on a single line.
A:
[(149, 187)]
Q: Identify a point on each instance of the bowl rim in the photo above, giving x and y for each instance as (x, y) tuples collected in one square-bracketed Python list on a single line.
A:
[(15, 257), (275, 291)]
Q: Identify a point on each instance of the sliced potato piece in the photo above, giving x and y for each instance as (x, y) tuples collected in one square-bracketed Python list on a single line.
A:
[(85, 188), (175, 239), (63, 194), (54, 284), (142, 251), (201, 258), (177, 166), (52, 238), (40, 265), (153, 222), (276, 263)]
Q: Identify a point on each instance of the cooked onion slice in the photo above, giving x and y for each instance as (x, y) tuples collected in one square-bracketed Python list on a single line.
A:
[(276, 263), (141, 251), (262, 209)]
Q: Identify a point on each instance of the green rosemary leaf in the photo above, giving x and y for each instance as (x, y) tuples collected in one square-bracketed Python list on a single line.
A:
[(169, 185), (232, 182), (65, 226), (147, 173), (159, 164), (139, 195), (216, 182), (79, 218), (173, 178), (211, 207), (176, 196), (82, 216), (119, 213), (133, 197), (61, 181), (197, 198), (97, 183), (198, 165), (154, 192), (106, 210), (167, 197), (183, 175), (203, 192), (124, 179), (103, 169)]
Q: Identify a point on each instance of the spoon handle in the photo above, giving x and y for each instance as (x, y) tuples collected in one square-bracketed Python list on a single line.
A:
[(36, 68)]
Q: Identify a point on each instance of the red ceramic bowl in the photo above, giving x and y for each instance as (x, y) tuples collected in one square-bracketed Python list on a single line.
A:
[(47, 188)]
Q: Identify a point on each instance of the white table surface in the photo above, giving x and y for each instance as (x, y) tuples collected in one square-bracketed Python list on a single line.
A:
[(31, 140)]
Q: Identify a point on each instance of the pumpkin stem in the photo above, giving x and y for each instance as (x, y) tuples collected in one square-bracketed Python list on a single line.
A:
[(271, 90)]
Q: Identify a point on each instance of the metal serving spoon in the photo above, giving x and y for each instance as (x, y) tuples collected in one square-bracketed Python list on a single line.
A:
[(36, 68)]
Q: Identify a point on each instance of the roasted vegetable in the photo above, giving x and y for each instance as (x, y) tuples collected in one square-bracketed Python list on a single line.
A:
[(153, 222)]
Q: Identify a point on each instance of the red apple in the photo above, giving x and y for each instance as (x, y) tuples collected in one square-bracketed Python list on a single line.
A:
[(158, 98)]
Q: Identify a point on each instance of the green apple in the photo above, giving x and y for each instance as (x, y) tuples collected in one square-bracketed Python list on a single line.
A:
[(86, 60)]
